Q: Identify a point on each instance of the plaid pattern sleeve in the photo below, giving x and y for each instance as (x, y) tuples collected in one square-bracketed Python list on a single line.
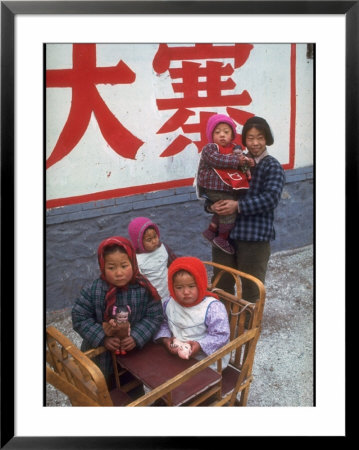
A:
[(87, 313), (211, 158), (87, 317), (256, 209)]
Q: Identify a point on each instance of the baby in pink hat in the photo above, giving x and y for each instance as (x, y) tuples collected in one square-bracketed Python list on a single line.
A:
[(153, 256), (223, 173)]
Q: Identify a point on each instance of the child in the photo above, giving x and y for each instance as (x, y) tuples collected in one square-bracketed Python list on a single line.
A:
[(223, 173), (192, 314), (153, 256), (119, 284)]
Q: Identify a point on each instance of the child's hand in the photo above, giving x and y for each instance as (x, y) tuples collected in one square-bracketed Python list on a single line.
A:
[(168, 343), (194, 346), (242, 160), (112, 343), (128, 344)]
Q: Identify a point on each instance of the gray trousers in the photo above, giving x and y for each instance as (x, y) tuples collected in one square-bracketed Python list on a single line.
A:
[(250, 257)]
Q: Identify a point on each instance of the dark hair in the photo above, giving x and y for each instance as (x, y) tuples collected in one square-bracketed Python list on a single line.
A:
[(150, 227), (181, 272), (225, 123), (261, 125), (112, 249)]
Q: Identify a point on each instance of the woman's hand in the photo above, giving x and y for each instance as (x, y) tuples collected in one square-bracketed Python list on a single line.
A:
[(225, 207), (112, 343)]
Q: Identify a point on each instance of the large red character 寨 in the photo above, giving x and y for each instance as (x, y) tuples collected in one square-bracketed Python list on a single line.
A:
[(83, 78), (196, 79)]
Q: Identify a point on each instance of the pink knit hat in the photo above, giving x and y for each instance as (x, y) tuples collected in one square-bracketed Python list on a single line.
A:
[(136, 230), (213, 121)]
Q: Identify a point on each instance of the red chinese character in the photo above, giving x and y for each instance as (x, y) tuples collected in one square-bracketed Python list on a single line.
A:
[(83, 78), (197, 79), (165, 54)]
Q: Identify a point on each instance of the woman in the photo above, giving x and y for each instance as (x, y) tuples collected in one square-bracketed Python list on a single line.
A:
[(253, 229)]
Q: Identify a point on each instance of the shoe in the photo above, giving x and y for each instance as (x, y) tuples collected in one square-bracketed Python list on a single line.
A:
[(209, 235), (224, 245)]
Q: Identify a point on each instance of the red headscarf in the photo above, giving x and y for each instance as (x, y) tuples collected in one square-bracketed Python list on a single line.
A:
[(137, 277), (197, 269)]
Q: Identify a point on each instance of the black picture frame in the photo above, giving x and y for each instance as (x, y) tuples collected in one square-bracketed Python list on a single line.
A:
[(9, 9)]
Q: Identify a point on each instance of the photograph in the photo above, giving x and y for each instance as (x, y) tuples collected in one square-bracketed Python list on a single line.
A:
[(171, 219), (135, 135)]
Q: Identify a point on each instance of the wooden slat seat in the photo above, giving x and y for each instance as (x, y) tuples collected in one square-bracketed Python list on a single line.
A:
[(177, 381), (245, 326), (72, 372)]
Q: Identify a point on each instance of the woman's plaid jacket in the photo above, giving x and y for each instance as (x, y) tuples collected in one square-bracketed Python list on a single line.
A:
[(256, 208)]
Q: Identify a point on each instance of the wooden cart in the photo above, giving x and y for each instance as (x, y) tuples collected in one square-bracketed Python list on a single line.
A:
[(169, 379)]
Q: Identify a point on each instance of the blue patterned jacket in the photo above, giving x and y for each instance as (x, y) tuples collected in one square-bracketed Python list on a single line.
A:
[(88, 311), (256, 208)]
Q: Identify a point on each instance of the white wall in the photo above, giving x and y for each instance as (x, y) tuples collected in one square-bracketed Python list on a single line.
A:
[(93, 167)]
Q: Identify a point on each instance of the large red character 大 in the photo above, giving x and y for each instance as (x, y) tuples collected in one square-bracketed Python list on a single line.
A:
[(83, 78)]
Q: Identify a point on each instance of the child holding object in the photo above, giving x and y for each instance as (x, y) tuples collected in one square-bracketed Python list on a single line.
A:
[(153, 256), (223, 173), (192, 315), (120, 285)]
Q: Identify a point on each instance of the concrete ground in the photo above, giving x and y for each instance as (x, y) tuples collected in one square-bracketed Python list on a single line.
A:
[(283, 365)]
